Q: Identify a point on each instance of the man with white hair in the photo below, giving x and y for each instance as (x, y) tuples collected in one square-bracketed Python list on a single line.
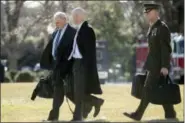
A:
[(83, 53), (55, 57)]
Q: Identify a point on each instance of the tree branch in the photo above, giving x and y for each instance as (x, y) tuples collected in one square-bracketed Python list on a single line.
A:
[(7, 11), (16, 13), (46, 5), (29, 28)]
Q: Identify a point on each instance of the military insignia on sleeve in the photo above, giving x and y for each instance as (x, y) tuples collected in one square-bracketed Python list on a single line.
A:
[(154, 32)]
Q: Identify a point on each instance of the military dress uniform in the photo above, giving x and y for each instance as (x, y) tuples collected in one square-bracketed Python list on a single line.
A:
[(159, 56)]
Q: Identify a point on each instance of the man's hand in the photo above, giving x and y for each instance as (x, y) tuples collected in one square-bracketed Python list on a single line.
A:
[(164, 71)]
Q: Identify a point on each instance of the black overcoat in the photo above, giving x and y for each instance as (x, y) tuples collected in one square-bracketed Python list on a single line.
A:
[(63, 52), (86, 41)]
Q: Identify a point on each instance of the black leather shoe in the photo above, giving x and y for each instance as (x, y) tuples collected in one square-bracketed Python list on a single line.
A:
[(133, 115), (49, 120), (170, 116), (87, 110), (97, 107), (75, 119), (53, 115)]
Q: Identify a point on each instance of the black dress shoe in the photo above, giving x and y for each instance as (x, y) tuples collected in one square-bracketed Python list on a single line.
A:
[(53, 115), (75, 120), (87, 109), (49, 120), (133, 115), (171, 115), (97, 107)]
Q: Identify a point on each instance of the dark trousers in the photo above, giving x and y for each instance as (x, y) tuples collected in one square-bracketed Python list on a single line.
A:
[(58, 99), (81, 98), (58, 96), (151, 81), (68, 88), (79, 88)]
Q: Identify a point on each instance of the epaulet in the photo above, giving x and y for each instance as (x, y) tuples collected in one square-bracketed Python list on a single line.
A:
[(163, 24)]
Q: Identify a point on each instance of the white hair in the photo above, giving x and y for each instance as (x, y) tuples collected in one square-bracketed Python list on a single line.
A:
[(79, 10), (60, 15)]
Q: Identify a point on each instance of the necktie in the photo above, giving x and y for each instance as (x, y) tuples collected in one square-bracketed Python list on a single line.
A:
[(55, 43)]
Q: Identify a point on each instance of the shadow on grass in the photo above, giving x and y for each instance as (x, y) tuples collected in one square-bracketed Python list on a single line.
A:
[(98, 120), (105, 121), (89, 121), (163, 121)]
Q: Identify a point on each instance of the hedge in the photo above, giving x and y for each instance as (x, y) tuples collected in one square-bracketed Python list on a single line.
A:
[(25, 76), (7, 78)]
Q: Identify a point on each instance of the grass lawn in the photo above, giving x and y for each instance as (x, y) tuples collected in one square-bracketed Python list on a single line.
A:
[(16, 105)]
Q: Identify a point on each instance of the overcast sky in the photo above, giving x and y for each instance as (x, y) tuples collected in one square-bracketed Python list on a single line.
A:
[(32, 4)]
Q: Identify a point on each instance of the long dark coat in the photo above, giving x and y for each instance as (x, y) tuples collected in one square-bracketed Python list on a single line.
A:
[(86, 41)]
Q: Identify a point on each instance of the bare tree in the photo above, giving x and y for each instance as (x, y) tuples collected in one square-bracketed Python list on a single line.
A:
[(63, 4), (12, 15), (12, 42)]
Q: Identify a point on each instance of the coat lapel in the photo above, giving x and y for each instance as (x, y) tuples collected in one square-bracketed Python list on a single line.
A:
[(63, 38), (81, 30), (83, 25)]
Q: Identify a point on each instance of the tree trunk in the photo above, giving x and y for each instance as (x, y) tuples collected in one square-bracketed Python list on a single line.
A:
[(12, 62), (12, 22)]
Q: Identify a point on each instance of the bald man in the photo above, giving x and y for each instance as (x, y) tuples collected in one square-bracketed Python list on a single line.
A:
[(86, 81)]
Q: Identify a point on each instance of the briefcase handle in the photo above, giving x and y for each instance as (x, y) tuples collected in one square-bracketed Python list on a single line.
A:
[(167, 79), (170, 80)]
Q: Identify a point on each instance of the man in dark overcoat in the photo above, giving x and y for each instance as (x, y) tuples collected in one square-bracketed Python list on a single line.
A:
[(86, 81), (54, 58)]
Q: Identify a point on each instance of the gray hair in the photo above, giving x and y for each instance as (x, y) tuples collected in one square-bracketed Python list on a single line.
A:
[(60, 15), (79, 10)]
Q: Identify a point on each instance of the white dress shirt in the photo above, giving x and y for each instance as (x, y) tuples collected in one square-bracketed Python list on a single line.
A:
[(75, 52)]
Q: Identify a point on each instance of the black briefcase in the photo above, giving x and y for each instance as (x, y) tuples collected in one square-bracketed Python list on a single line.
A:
[(44, 89), (166, 92), (138, 84)]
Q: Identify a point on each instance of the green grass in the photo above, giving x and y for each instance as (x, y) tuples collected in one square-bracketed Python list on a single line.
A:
[(16, 105)]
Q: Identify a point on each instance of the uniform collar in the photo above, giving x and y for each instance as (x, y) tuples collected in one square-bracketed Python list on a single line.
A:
[(153, 26)]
